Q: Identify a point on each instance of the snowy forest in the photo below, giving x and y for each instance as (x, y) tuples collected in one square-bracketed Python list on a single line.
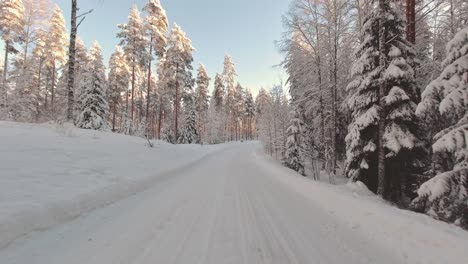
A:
[(149, 88), (379, 94), (377, 91)]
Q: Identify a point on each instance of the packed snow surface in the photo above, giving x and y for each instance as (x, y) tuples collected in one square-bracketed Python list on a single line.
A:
[(101, 198)]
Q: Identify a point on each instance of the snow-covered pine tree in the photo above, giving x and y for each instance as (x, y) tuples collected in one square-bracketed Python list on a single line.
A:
[(381, 136), (11, 27), (229, 77), (56, 49), (134, 42), (216, 112), (119, 78), (94, 106), (293, 157), (202, 100), (249, 114), (176, 69), (238, 110), (446, 195), (157, 24), (219, 92)]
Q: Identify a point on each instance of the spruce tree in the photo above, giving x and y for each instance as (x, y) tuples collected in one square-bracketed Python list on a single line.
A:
[(94, 105), (189, 133), (382, 134), (293, 157), (446, 195)]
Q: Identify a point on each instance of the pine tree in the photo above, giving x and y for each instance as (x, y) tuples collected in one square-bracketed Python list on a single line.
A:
[(176, 69), (219, 92), (11, 27), (56, 49), (446, 195), (238, 110), (157, 24), (293, 157), (202, 100), (229, 76), (381, 136), (249, 113), (134, 42), (119, 77), (94, 104)]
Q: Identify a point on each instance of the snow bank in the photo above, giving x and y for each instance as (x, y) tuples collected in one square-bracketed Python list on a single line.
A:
[(51, 174), (414, 238)]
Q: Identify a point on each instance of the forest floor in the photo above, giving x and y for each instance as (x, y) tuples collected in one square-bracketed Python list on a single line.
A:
[(73, 196)]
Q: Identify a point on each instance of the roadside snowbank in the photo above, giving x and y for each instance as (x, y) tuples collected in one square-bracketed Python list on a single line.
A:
[(50, 174), (414, 238)]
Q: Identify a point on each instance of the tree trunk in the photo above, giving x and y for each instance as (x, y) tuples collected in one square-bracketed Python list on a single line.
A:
[(334, 98), (453, 30), (39, 75), (381, 123), (321, 110), (52, 88), (411, 21), (176, 108), (5, 74), (71, 65), (114, 113), (160, 119), (133, 88), (149, 83), (46, 99)]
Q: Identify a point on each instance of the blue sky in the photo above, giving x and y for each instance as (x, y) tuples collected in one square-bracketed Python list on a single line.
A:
[(246, 29)]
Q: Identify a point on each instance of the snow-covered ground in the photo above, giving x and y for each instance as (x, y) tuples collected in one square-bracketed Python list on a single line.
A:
[(50, 174), (191, 204)]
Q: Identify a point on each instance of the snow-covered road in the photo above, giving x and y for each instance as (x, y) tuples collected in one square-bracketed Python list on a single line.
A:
[(225, 208)]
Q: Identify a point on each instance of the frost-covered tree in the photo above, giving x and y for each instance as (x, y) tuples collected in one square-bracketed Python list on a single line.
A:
[(11, 27), (36, 15), (382, 134), (56, 50), (134, 41), (249, 114), (189, 133), (229, 77), (219, 92), (238, 110), (176, 69), (263, 104), (80, 69), (217, 114), (157, 24), (94, 106), (446, 195), (293, 157), (119, 78), (202, 101)]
